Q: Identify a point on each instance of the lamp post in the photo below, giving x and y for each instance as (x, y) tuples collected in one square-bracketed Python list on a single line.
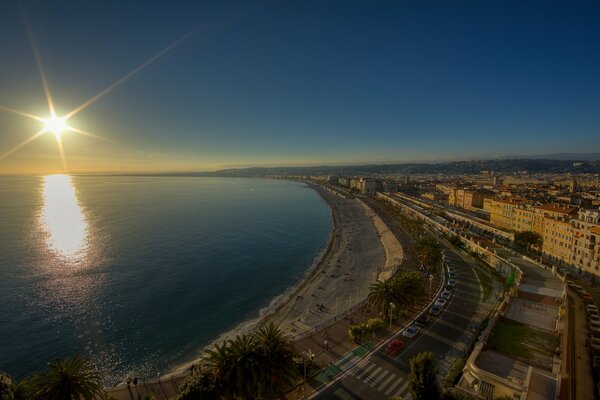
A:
[(430, 283), (307, 356), (392, 306)]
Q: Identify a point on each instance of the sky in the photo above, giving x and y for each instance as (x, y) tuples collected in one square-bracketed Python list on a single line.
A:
[(250, 83)]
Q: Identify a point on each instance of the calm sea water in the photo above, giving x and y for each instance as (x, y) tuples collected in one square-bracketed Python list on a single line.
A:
[(141, 272)]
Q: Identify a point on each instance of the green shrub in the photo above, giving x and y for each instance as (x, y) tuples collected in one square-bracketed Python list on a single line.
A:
[(358, 332), (375, 324), (454, 373)]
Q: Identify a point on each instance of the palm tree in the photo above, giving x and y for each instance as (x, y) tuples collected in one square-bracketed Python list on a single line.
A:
[(244, 372), (409, 287), (7, 387), (381, 294), (73, 378), (277, 359), (429, 252)]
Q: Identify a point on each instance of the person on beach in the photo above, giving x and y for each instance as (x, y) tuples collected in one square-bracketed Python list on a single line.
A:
[(135, 381), (128, 381)]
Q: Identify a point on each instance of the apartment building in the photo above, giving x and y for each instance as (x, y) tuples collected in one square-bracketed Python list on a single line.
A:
[(586, 243), (540, 213), (523, 218), (558, 237), (502, 213)]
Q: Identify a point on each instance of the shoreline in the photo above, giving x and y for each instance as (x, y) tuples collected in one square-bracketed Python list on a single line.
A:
[(355, 255), (278, 302)]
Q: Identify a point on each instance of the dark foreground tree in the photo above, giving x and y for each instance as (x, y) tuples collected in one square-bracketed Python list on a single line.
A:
[(72, 378), (276, 353), (422, 383), (527, 239), (429, 252), (259, 365)]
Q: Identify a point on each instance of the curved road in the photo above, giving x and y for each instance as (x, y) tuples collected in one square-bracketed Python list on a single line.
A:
[(380, 376)]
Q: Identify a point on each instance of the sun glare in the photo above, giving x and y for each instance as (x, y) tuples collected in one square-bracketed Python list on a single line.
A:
[(56, 125)]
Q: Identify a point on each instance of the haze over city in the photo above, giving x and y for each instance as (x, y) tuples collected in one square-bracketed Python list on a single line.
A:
[(210, 85)]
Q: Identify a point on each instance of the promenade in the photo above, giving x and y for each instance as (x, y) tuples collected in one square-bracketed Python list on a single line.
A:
[(361, 250)]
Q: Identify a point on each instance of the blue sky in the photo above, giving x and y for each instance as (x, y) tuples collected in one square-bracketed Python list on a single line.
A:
[(300, 82)]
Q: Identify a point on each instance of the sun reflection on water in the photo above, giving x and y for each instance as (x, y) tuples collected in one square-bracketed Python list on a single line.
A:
[(62, 217)]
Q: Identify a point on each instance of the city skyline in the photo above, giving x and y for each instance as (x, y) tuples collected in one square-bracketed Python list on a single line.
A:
[(199, 87)]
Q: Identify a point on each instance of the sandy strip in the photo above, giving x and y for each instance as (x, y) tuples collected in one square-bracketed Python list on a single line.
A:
[(360, 250)]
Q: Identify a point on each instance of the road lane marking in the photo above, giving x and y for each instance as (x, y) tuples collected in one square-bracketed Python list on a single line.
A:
[(402, 389), (387, 381), (394, 386)]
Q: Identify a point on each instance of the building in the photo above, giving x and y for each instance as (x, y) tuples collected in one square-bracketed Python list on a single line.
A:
[(540, 213), (586, 243), (465, 198), (558, 239), (523, 218), (502, 213)]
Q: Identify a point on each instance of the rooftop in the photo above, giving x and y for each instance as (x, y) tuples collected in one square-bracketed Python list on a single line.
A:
[(558, 208)]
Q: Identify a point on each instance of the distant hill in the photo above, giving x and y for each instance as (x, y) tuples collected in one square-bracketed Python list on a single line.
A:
[(501, 166), (559, 156)]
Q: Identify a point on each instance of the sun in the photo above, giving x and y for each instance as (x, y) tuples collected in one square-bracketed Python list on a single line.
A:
[(56, 125)]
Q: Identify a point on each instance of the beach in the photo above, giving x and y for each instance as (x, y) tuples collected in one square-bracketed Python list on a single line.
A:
[(360, 250)]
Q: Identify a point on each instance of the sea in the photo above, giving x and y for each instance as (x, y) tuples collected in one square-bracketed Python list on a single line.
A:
[(140, 273)]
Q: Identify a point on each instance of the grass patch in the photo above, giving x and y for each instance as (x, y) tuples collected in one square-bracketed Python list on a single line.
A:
[(486, 283), (522, 341)]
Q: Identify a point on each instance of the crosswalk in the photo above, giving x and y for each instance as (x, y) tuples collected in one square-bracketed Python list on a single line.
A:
[(381, 379)]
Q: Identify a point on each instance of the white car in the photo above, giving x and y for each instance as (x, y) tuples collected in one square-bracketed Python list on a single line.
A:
[(446, 294), (411, 331), (592, 308), (441, 302)]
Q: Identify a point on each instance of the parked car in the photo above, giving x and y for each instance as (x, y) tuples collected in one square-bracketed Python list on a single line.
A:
[(435, 310), (570, 283), (441, 302), (451, 282), (595, 344), (594, 317), (423, 320), (452, 275), (395, 347), (587, 297), (411, 331), (592, 307), (446, 294)]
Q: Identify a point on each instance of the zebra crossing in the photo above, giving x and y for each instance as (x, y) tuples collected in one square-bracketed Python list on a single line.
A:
[(381, 379)]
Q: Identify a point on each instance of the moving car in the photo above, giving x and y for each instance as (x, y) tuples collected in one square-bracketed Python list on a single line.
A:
[(411, 331), (395, 347)]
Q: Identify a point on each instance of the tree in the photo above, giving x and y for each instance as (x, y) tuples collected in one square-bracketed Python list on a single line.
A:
[(72, 378), (381, 294), (277, 359), (429, 252), (422, 383), (7, 387), (526, 239), (409, 287)]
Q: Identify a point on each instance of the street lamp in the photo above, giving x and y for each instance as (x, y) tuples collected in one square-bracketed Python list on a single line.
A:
[(430, 283), (392, 306), (307, 356)]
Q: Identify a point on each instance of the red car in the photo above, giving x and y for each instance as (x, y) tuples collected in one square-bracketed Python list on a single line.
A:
[(395, 347)]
